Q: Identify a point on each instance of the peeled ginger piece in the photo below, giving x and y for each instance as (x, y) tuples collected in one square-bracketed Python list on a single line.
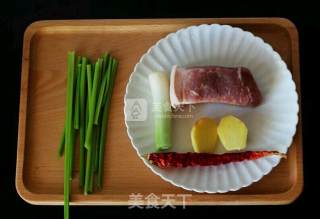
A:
[(204, 135), (232, 133)]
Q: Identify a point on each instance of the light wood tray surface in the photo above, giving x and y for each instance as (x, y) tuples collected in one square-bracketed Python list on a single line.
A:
[(39, 174)]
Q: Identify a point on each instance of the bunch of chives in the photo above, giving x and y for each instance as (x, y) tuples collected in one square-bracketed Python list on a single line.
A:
[(89, 93)]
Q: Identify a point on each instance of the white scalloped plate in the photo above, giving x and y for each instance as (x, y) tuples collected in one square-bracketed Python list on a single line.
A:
[(271, 125)]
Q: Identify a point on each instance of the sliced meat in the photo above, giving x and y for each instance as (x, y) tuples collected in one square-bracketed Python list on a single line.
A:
[(213, 84)]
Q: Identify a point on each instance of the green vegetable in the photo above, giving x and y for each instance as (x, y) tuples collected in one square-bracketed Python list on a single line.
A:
[(102, 89), (92, 160), (62, 142), (159, 84), (104, 122), (89, 135), (87, 184), (109, 76), (89, 89), (87, 111), (73, 142), (92, 103), (96, 148), (105, 58), (68, 134), (88, 94), (77, 98), (82, 105), (89, 150)]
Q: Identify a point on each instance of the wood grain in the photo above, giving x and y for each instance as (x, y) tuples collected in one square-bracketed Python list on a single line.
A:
[(39, 173)]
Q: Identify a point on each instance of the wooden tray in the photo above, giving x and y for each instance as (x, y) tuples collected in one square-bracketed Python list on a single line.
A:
[(39, 174)]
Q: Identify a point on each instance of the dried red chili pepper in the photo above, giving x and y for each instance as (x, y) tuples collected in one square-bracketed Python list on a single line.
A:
[(173, 159)]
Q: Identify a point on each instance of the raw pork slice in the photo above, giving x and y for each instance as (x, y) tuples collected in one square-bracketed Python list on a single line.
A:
[(213, 84)]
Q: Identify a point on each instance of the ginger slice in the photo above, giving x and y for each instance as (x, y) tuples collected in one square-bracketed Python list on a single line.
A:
[(232, 133)]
